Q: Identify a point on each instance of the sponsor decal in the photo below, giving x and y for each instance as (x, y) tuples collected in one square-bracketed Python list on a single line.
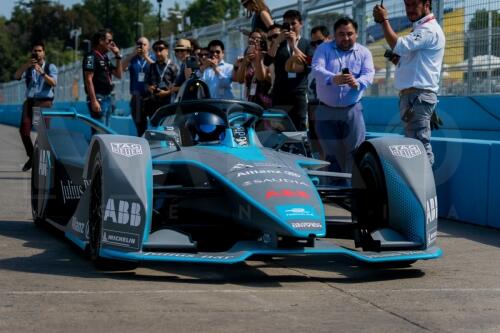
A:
[(240, 166), (240, 136), (44, 163), (118, 238), (306, 225), (431, 210), (431, 238), (274, 181), (405, 151), (189, 255), (267, 172), (78, 226), (297, 212), (71, 191), (126, 149), (286, 194), (127, 213)]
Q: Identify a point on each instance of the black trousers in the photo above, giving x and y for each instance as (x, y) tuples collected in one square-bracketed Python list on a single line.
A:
[(295, 103)]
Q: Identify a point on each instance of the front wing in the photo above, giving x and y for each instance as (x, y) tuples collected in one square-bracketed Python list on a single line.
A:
[(245, 249)]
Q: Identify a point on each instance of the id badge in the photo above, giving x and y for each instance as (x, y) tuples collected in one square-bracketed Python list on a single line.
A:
[(253, 89), (292, 75), (141, 77)]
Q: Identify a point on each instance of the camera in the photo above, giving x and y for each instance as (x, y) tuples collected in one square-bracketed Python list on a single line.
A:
[(345, 70), (34, 56), (192, 63), (286, 26), (389, 54)]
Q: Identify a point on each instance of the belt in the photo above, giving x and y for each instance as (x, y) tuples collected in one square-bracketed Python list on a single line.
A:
[(413, 90)]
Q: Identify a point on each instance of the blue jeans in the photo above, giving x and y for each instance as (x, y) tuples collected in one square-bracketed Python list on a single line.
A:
[(106, 109), (340, 131)]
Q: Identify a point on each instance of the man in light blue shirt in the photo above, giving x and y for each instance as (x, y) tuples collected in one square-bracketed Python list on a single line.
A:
[(419, 58), (218, 74), (343, 69)]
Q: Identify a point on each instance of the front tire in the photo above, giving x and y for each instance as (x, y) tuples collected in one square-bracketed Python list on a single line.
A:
[(96, 222), (36, 195)]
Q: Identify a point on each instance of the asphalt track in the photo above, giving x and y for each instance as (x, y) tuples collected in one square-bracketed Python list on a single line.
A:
[(48, 286)]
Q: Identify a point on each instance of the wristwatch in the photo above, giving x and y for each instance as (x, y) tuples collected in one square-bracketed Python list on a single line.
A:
[(118, 56)]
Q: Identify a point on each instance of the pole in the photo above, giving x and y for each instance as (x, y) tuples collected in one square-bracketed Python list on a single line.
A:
[(159, 19)]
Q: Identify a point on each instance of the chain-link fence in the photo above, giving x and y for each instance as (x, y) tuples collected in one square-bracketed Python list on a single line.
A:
[(471, 63)]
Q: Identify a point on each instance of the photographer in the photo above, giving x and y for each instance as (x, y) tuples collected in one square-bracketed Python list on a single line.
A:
[(138, 63), (290, 88), (343, 69), (218, 74), (41, 78), (419, 59), (183, 49), (160, 79), (251, 71)]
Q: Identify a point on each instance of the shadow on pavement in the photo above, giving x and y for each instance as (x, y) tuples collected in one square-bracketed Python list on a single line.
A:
[(59, 257), (484, 235)]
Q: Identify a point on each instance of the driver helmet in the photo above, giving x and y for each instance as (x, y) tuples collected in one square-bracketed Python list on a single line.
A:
[(206, 127)]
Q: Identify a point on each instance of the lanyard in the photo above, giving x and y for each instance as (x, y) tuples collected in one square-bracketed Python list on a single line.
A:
[(290, 51), (142, 64), (106, 68), (164, 70), (426, 20), (339, 58)]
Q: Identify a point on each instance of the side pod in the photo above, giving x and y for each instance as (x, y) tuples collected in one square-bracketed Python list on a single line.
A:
[(395, 203)]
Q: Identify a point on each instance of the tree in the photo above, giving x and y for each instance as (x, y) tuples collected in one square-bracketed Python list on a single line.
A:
[(208, 12)]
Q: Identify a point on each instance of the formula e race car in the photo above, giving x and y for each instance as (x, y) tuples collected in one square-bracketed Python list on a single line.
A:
[(200, 187)]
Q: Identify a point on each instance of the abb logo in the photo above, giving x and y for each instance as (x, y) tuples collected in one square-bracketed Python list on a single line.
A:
[(287, 194), (127, 212)]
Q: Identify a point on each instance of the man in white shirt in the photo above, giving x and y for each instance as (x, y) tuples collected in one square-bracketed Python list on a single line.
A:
[(216, 73), (418, 58)]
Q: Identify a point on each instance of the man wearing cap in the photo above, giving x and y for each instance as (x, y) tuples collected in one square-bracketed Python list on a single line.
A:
[(182, 52), (137, 63), (419, 58)]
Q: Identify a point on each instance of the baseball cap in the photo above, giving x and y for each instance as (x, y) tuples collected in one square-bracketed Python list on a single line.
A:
[(183, 44)]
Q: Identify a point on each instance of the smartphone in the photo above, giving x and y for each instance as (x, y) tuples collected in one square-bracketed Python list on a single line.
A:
[(345, 70), (286, 26)]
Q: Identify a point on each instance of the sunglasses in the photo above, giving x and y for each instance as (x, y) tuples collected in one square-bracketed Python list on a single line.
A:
[(176, 51), (216, 52), (271, 37), (159, 49), (317, 42)]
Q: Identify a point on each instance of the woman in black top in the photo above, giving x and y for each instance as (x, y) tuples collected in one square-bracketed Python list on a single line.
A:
[(260, 13)]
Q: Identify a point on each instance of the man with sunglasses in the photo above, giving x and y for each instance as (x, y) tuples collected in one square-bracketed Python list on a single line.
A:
[(290, 88), (137, 63), (160, 78), (97, 75), (218, 74), (343, 69)]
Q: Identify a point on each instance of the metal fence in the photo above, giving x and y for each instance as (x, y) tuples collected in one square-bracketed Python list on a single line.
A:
[(472, 55)]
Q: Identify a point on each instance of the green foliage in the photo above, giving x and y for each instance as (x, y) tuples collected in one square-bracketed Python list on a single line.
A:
[(208, 12), (478, 34), (51, 22)]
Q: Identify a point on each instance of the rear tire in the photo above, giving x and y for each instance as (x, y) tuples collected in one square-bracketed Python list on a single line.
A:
[(95, 224)]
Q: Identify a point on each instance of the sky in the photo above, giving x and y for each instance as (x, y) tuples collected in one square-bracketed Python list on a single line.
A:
[(7, 5)]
